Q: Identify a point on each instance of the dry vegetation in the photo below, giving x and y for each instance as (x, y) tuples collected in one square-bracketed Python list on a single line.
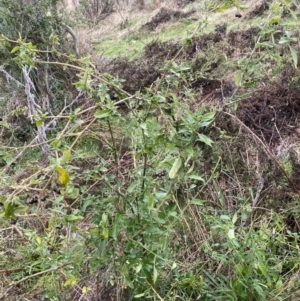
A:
[(170, 176)]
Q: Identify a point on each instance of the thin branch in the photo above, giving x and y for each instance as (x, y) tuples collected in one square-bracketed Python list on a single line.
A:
[(11, 270), (74, 36), (31, 276), (10, 78), (255, 201)]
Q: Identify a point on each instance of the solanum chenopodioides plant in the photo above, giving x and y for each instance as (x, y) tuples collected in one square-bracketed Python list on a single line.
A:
[(135, 212), (182, 126)]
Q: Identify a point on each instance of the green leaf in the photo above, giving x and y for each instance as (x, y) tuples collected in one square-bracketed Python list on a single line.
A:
[(208, 116), (143, 126), (155, 274), (275, 20), (3, 199), (264, 44), (294, 56), (231, 233), (15, 49), (205, 139), (63, 176), (138, 268), (223, 7), (115, 231), (20, 209), (38, 240), (259, 291), (74, 218), (234, 219), (30, 46), (39, 123), (129, 282), (72, 192), (139, 295), (66, 156), (4, 124), (225, 217), (104, 218), (56, 143), (175, 168), (160, 195), (238, 78), (85, 289), (279, 285), (94, 231), (283, 40), (197, 202), (263, 269), (206, 119), (133, 186), (151, 202), (58, 200), (195, 177), (9, 210), (294, 15), (102, 114), (76, 111), (105, 233), (71, 282)]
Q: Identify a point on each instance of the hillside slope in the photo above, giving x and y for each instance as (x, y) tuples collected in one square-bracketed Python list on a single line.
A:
[(161, 164)]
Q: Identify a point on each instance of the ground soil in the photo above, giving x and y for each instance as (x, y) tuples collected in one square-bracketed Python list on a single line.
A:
[(163, 16), (271, 111), (258, 9), (143, 72)]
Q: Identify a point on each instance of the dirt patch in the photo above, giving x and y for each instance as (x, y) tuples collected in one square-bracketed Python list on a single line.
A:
[(244, 38), (144, 71), (163, 16), (161, 51), (136, 75), (204, 42), (212, 86), (183, 3), (272, 112), (258, 9), (207, 85)]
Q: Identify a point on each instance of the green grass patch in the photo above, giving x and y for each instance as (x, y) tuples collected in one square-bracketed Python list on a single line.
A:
[(132, 45)]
